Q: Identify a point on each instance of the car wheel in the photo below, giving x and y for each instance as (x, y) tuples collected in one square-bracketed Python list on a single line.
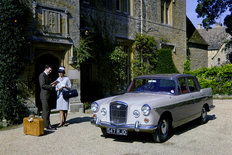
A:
[(163, 130), (203, 117), (104, 133)]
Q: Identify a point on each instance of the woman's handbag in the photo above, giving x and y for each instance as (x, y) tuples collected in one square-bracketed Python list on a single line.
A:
[(70, 93)]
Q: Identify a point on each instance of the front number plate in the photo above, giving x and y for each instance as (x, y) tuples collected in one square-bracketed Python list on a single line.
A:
[(116, 131)]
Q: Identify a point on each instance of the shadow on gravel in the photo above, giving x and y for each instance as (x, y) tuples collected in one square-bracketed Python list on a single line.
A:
[(76, 120), (79, 120), (47, 132), (147, 137), (191, 125)]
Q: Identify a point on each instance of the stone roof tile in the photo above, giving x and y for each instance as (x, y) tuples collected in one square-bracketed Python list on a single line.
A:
[(215, 37)]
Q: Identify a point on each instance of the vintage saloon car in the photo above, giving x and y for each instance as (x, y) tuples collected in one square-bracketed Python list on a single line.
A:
[(155, 104)]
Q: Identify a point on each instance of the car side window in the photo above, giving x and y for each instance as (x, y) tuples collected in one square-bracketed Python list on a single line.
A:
[(192, 85), (183, 85)]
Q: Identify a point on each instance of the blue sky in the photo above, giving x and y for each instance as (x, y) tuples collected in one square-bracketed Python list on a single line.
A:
[(192, 15)]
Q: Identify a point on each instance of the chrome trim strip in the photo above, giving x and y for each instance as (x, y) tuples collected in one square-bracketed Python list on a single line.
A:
[(121, 102), (133, 127)]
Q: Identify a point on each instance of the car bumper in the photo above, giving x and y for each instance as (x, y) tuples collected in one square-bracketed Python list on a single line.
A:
[(130, 127)]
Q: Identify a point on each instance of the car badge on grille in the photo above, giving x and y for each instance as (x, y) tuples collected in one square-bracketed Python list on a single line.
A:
[(118, 106)]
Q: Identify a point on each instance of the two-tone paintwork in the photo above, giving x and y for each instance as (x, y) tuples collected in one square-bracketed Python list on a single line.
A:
[(181, 107)]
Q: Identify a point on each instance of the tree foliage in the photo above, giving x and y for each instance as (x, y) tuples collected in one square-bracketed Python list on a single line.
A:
[(12, 14), (210, 10)]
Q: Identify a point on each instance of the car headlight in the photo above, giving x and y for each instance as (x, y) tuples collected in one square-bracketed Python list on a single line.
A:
[(146, 109), (136, 113), (103, 111), (94, 107)]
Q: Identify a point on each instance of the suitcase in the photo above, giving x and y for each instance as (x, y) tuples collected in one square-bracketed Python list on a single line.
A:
[(33, 126)]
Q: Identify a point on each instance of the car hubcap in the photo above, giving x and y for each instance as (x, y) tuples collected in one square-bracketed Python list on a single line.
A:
[(164, 127), (204, 113)]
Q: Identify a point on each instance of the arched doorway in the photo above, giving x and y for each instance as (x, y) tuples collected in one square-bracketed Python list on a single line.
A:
[(39, 68)]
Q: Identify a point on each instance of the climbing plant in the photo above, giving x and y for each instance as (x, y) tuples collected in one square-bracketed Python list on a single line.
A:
[(12, 13), (118, 61), (145, 55), (82, 52)]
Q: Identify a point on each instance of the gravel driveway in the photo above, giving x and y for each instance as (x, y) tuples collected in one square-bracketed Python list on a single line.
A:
[(81, 138)]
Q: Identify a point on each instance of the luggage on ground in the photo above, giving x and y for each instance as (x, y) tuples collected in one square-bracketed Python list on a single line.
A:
[(33, 126)]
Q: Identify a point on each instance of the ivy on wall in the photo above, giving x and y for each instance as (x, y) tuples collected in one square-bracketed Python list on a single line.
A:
[(12, 13), (187, 65), (165, 62), (145, 55), (118, 62), (82, 52), (149, 60), (110, 62)]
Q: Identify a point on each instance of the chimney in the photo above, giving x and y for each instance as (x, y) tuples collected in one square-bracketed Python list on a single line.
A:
[(199, 26)]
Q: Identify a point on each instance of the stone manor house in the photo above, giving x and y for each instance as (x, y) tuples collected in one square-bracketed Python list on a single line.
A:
[(55, 27)]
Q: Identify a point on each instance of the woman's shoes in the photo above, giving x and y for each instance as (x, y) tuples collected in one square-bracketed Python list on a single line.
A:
[(63, 124), (60, 125), (66, 124)]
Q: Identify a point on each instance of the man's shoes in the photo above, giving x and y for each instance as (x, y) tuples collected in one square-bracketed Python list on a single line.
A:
[(50, 128)]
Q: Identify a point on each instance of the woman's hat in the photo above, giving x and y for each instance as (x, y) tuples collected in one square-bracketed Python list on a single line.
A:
[(61, 69)]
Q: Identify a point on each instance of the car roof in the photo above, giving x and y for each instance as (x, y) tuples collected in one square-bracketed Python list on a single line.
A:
[(165, 76)]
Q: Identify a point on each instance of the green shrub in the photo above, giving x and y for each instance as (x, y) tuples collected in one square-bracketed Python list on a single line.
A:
[(218, 78), (187, 65), (165, 62)]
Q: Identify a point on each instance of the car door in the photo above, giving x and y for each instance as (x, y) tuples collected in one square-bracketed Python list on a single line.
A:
[(183, 108), (195, 94)]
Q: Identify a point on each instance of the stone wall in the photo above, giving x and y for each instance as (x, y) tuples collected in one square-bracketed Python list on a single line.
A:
[(198, 56), (54, 29), (144, 17)]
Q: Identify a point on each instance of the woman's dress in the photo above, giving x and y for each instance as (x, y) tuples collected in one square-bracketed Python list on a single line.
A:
[(61, 103)]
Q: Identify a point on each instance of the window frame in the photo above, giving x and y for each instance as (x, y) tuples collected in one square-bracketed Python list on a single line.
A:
[(166, 16), (119, 6), (194, 82), (181, 91)]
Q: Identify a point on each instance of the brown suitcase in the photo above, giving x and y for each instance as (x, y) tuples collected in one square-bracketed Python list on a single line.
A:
[(33, 126)]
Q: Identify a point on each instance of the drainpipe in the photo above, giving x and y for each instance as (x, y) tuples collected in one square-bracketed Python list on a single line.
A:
[(141, 26), (141, 9), (71, 56)]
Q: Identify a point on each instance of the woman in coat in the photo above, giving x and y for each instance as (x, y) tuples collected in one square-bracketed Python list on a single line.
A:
[(62, 104)]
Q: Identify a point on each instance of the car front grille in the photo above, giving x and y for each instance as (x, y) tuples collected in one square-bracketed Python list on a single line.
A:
[(118, 112)]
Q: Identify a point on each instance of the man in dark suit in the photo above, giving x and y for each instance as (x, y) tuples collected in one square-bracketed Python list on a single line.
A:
[(45, 92)]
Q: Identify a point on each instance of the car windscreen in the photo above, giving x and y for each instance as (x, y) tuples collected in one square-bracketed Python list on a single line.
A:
[(152, 86)]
